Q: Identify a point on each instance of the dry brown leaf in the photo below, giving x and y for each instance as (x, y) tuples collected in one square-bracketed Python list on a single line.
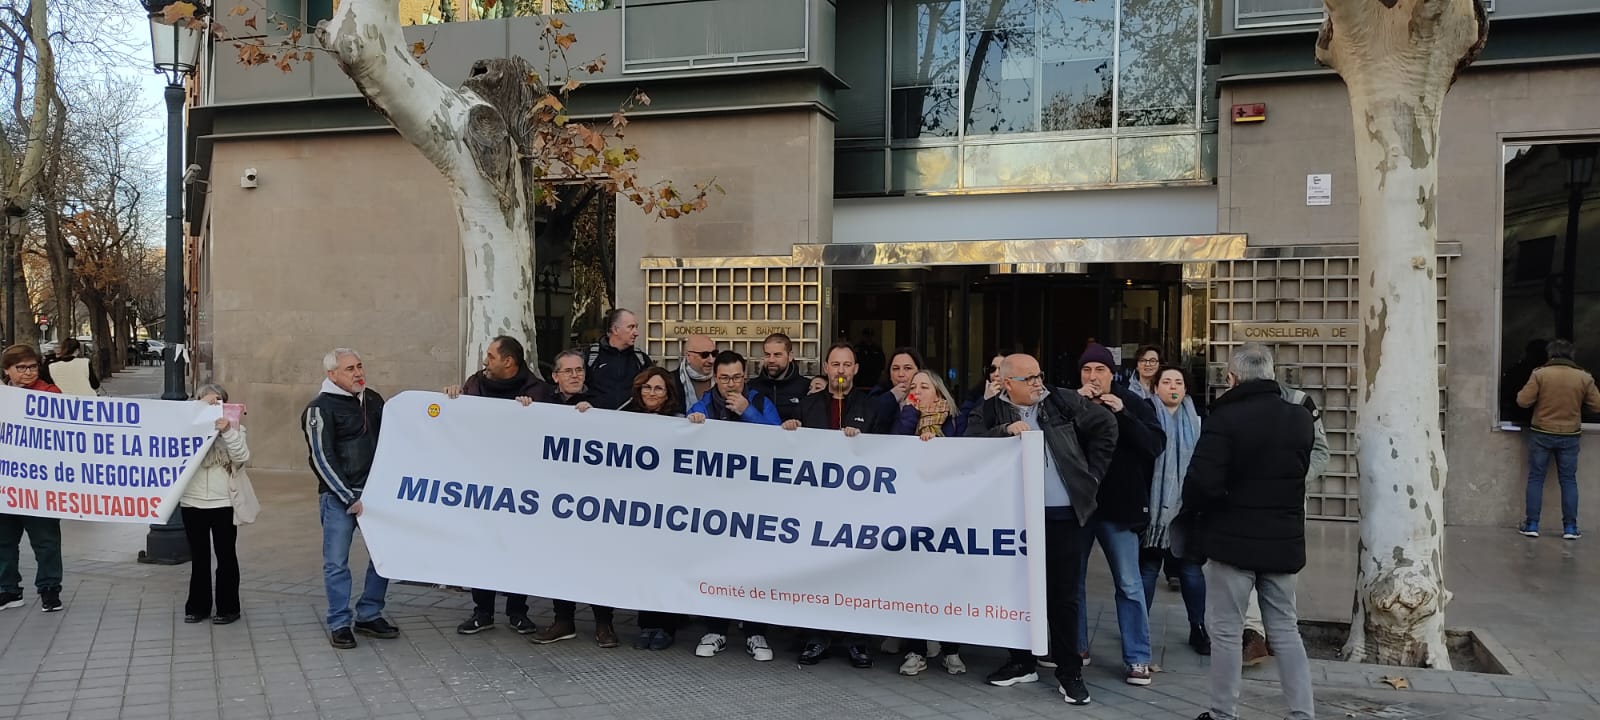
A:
[(177, 12), (250, 22), (1396, 682), (238, 10), (418, 49)]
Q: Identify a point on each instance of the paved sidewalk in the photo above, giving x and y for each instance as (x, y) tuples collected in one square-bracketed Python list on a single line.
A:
[(121, 650)]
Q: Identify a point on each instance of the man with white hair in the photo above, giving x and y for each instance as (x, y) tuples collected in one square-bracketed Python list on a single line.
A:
[(1246, 491), (341, 427)]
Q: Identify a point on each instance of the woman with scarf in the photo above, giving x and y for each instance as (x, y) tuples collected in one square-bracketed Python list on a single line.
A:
[(655, 393), (930, 411), (1147, 365), (21, 365), (1182, 425)]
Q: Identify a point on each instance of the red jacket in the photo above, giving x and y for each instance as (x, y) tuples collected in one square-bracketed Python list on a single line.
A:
[(42, 386)]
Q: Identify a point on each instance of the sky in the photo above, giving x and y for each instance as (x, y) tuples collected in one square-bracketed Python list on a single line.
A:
[(132, 32)]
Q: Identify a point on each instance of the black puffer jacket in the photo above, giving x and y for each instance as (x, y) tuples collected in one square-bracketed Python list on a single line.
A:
[(1125, 491), (859, 411), (610, 373), (1247, 480), (342, 435), (785, 391), (1080, 436)]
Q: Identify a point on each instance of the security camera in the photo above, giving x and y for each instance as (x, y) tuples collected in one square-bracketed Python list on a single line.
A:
[(191, 175), (249, 179)]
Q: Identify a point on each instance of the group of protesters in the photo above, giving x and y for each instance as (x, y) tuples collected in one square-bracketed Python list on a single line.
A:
[(1128, 465)]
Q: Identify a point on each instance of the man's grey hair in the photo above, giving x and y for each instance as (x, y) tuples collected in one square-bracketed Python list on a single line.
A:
[(211, 389), (1563, 349), (572, 353), (1252, 361), (330, 362)]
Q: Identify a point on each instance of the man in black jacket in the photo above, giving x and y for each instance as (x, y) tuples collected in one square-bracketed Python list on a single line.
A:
[(1080, 438), (1246, 485), (571, 389), (613, 363), (505, 375), (1124, 509), (848, 409), (780, 379), (341, 428)]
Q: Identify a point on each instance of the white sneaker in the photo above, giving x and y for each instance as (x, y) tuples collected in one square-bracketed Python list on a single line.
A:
[(756, 645), (710, 644), (953, 664), (934, 648), (890, 646), (913, 665)]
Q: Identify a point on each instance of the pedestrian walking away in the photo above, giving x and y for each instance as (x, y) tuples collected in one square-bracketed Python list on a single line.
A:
[(1558, 392), (1246, 490)]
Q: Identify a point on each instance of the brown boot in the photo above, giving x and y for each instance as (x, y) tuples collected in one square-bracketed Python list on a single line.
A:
[(555, 632), (1255, 648), (605, 636)]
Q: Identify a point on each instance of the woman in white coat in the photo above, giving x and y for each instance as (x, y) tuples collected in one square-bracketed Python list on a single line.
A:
[(209, 520)]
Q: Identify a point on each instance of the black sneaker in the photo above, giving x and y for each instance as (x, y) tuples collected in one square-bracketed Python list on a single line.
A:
[(50, 600), (1075, 692), (522, 624), (10, 600), (342, 639), (378, 628), (474, 625), (1012, 674)]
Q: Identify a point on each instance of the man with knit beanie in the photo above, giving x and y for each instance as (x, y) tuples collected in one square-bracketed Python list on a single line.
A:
[(1124, 508)]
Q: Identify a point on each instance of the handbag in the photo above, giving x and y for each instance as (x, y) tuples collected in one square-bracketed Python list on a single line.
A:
[(243, 496)]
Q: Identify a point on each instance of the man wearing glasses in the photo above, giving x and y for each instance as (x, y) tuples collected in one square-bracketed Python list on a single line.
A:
[(695, 371), (572, 390), (1079, 438), (729, 400)]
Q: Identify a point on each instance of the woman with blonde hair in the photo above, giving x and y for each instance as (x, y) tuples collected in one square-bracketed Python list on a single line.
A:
[(930, 411), (211, 515)]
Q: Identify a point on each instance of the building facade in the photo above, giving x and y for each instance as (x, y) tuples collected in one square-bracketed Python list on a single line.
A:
[(954, 175)]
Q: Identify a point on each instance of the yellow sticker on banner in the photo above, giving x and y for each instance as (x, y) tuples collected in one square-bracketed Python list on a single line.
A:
[(433, 410)]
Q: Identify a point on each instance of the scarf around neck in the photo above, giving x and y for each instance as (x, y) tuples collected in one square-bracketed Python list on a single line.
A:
[(505, 389), (1182, 427)]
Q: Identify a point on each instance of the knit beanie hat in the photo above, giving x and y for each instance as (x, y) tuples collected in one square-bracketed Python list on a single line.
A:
[(1097, 353)]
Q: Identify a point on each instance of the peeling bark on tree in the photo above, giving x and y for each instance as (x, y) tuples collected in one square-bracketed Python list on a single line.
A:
[(1398, 58), (475, 137)]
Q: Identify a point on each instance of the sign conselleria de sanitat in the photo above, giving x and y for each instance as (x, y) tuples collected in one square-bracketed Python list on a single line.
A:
[(99, 458), (871, 534)]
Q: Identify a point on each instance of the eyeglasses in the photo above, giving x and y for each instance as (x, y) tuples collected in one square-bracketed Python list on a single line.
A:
[(1150, 361), (1029, 380), (570, 371), (652, 388), (729, 378), (702, 354), (26, 368)]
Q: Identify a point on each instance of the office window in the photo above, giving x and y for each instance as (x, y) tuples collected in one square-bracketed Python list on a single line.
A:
[(1002, 67), (1075, 73), (1156, 62), (925, 62), (1550, 284)]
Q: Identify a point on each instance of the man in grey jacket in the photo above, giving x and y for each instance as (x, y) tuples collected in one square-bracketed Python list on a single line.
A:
[(1256, 647), (1080, 438)]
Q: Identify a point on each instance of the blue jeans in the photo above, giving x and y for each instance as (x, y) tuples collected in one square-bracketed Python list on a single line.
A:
[(1121, 546), (1191, 582), (338, 532), (1565, 449)]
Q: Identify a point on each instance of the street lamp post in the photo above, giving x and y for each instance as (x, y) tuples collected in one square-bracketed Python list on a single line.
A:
[(1580, 158), (176, 47)]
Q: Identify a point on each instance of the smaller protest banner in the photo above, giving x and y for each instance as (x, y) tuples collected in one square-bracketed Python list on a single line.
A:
[(99, 458)]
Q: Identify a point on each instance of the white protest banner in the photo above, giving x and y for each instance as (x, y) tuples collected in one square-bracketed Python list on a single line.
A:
[(99, 458), (871, 534)]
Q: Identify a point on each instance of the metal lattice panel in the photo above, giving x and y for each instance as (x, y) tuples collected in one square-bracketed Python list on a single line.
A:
[(754, 299), (1308, 290)]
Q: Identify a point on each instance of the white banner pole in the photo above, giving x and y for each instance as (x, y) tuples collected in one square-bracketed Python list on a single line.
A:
[(1033, 521)]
